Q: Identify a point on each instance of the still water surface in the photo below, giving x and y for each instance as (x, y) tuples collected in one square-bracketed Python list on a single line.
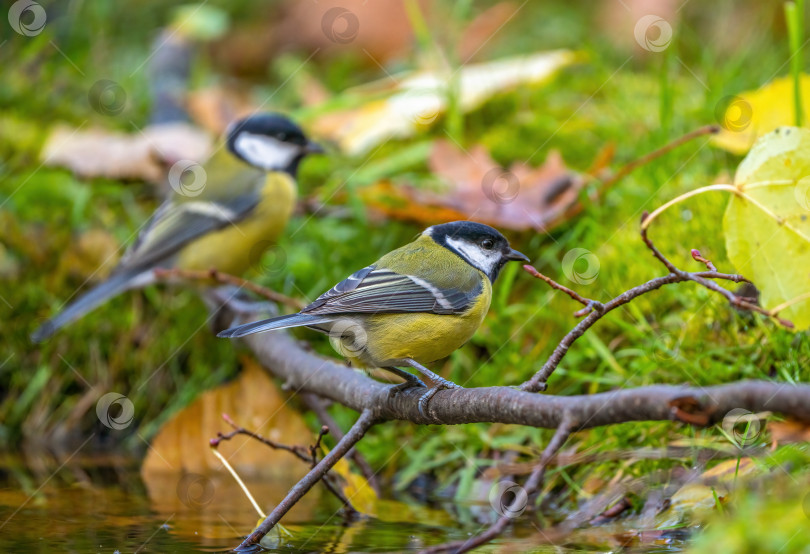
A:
[(105, 505)]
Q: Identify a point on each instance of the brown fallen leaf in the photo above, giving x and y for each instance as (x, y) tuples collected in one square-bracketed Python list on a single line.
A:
[(380, 30), (254, 401), (789, 431), (138, 155), (476, 187), (730, 470), (485, 30)]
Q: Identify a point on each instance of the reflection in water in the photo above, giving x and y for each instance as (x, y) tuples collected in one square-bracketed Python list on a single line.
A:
[(101, 504)]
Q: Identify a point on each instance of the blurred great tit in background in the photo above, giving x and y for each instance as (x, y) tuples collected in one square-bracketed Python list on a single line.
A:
[(248, 194), (415, 305)]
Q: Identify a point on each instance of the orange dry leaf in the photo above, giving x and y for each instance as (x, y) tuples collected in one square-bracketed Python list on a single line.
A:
[(476, 187), (790, 431), (254, 402)]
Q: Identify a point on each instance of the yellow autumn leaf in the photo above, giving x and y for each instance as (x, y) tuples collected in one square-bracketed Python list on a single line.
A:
[(752, 114), (728, 471), (363, 498), (767, 222), (254, 401), (693, 502), (356, 488)]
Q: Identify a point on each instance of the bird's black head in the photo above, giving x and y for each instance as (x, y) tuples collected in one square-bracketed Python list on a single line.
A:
[(479, 245), (269, 141)]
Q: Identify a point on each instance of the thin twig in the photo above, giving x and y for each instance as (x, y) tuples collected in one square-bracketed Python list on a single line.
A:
[(366, 420), (555, 285), (594, 311), (708, 263), (647, 158), (299, 451), (227, 279), (532, 485), (702, 455), (313, 450), (317, 405)]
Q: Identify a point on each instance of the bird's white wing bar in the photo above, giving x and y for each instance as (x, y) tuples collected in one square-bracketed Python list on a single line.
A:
[(175, 224), (384, 291)]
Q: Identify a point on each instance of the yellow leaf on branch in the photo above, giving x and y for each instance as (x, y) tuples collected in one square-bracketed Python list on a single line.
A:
[(755, 113)]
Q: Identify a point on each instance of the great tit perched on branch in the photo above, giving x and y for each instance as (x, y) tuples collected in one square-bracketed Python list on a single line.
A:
[(238, 205), (415, 305)]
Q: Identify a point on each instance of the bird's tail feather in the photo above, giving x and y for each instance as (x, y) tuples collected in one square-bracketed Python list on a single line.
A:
[(274, 323), (88, 301)]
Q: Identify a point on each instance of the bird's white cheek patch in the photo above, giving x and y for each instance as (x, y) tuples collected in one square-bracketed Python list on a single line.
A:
[(265, 152), (484, 260)]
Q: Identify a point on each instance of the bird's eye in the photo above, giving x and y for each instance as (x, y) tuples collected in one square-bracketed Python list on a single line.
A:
[(282, 137), (487, 244)]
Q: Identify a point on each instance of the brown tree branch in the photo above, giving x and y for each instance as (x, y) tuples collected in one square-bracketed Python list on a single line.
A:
[(366, 420), (304, 371), (227, 279)]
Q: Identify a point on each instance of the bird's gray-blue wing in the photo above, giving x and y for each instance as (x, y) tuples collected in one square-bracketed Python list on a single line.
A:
[(373, 290)]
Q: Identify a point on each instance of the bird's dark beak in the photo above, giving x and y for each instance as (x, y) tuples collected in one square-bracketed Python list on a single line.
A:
[(514, 255), (313, 148)]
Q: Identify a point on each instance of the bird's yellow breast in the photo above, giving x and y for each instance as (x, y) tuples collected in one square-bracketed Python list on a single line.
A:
[(237, 247), (422, 337)]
